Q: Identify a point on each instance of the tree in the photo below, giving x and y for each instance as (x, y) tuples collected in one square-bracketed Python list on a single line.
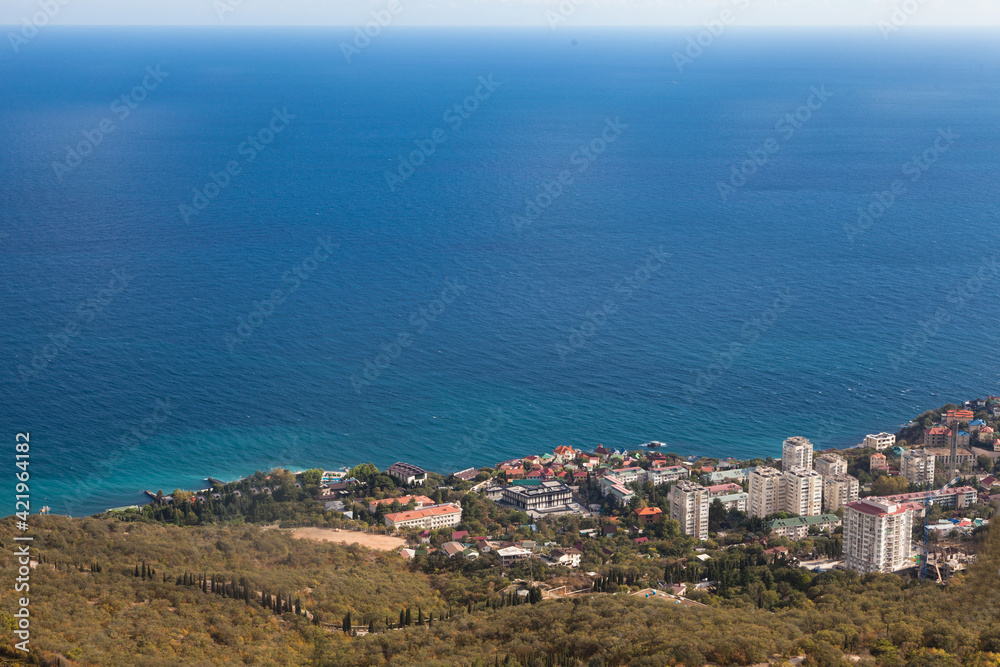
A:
[(347, 623), (888, 485)]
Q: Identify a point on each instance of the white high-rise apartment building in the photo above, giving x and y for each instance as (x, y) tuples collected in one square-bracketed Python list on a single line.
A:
[(765, 491), (877, 536), (796, 452), (839, 491), (803, 491), (830, 464), (689, 506), (917, 466)]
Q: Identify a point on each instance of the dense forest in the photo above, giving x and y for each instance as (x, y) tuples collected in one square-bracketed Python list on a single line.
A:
[(105, 591)]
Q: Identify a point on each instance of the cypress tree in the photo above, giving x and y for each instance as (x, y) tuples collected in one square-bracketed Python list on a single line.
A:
[(409, 619), (402, 618), (371, 627), (136, 570), (347, 623)]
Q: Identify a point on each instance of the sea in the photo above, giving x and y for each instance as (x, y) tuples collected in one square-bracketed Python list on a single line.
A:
[(229, 249)]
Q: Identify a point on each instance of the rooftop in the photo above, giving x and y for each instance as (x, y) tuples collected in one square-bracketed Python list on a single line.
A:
[(433, 510)]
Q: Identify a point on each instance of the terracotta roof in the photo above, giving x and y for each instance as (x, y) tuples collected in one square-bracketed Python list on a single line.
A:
[(403, 500), (649, 511), (434, 510)]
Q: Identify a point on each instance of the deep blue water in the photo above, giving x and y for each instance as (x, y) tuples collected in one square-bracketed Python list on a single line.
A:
[(821, 365)]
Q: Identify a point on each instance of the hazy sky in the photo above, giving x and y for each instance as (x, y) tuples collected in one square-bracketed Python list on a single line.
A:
[(506, 12)]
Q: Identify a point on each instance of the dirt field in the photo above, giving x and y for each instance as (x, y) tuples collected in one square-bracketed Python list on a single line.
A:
[(380, 542)]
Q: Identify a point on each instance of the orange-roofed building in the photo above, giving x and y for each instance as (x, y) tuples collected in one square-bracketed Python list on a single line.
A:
[(953, 416), (435, 516), (419, 502), (937, 436), (649, 514)]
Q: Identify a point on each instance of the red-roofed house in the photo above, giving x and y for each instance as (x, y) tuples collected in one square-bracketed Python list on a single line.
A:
[(649, 514), (418, 502), (937, 436), (953, 416)]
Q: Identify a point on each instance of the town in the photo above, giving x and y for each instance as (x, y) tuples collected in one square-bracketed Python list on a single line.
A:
[(916, 503)]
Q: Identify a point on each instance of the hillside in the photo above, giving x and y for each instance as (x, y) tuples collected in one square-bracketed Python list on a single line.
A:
[(100, 617)]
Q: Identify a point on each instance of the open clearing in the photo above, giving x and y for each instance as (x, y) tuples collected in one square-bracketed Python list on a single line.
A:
[(380, 542)]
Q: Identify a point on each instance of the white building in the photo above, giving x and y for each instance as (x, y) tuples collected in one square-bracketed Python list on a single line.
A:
[(796, 452), (407, 473), (435, 516), (917, 466), (803, 491), (610, 484), (839, 491), (689, 506), (831, 464), (733, 501), (765, 491), (877, 536), (880, 441), (568, 557)]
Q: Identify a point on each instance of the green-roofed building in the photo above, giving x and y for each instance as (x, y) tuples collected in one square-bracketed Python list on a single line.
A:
[(798, 527)]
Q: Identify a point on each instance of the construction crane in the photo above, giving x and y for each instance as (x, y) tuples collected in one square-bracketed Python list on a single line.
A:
[(928, 501)]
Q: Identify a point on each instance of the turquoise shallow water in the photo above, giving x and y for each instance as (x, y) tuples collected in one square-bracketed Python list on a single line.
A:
[(768, 319)]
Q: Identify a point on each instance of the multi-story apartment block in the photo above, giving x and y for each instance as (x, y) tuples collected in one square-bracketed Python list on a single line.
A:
[(797, 527), (734, 501), (765, 491), (839, 491), (612, 485), (880, 441), (917, 466), (953, 498), (538, 498), (831, 464), (435, 516), (689, 506), (877, 535), (803, 491), (939, 436), (796, 452)]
